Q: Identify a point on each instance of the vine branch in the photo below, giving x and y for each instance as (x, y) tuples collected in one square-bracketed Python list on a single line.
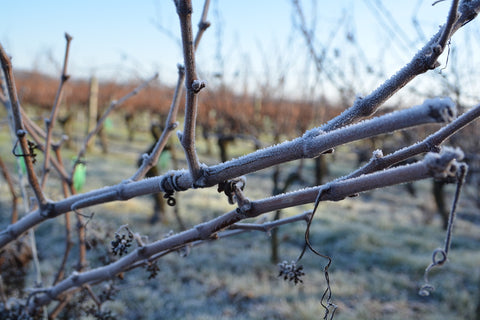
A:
[(113, 105), (433, 165), (310, 144), (193, 87), (424, 60), (20, 132), (171, 122)]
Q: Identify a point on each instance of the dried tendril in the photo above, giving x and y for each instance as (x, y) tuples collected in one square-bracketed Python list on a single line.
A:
[(440, 255)]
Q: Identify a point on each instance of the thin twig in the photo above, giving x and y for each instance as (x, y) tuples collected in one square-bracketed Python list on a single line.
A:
[(68, 237), (318, 59), (170, 125), (35, 130), (447, 31), (61, 305), (113, 105), (192, 86), (38, 135), (49, 123), (93, 296), (202, 25), (268, 226)]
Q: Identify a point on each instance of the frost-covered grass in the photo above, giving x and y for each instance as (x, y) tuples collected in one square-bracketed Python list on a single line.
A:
[(379, 254), (378, 241)]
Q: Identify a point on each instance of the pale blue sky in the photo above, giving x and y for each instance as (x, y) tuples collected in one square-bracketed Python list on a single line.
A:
[(122, 39)]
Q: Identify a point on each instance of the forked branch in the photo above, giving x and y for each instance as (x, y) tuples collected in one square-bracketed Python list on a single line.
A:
[(171, 122), (193, 87)]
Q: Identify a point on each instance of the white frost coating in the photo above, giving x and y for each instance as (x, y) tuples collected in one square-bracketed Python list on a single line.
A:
[(260, 159), (313, 133), (179, 135), (197, 85), (377, 154), (444, 107), (444, 164)]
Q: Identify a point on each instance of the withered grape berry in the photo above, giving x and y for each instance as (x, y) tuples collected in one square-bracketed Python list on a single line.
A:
[(121, 243), (291, 272)]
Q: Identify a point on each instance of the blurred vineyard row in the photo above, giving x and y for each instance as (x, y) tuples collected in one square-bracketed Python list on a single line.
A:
[(221, 111)]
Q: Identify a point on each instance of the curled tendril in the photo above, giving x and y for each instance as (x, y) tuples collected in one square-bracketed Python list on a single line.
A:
[(170, 199), (169, 185), (292, 271), (425, 290), (440, 255)]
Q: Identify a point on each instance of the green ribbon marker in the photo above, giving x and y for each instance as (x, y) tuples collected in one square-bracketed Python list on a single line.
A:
[(21, 160), (164, 160), (108, 125), (79, 176)]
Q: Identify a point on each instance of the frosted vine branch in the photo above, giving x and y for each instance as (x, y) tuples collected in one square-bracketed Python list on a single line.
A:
[(203, 25), (452, 18), (424, 60), (429, 144), (268, 226), (311, 144), (433, 165), (192, 86), (171, 123), (315, 142)]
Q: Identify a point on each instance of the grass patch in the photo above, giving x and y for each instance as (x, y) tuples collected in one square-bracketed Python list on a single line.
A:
[(378, 241)]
